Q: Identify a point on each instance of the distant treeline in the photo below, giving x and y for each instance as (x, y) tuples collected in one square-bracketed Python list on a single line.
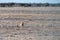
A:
[(29, 5)]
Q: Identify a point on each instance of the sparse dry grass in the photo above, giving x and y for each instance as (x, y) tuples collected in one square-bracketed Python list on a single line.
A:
[(37, 25)]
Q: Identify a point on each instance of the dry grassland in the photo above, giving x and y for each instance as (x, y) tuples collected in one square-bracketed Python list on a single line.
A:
[(29, 23)]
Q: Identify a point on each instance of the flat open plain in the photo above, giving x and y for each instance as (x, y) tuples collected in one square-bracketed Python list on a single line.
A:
[(40, 23)]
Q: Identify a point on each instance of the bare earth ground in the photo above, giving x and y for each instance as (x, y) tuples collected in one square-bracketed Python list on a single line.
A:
[(40, 23)]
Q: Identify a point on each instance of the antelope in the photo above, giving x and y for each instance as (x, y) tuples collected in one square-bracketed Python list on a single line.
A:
[(20, 25)]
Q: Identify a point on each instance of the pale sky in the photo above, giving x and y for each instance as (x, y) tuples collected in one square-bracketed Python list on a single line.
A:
[(30, 1)]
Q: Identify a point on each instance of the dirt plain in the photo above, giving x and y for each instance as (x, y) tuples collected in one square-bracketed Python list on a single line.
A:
[(40, 23)]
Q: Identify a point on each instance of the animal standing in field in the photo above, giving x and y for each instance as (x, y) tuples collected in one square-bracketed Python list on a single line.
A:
[(20, 25)]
